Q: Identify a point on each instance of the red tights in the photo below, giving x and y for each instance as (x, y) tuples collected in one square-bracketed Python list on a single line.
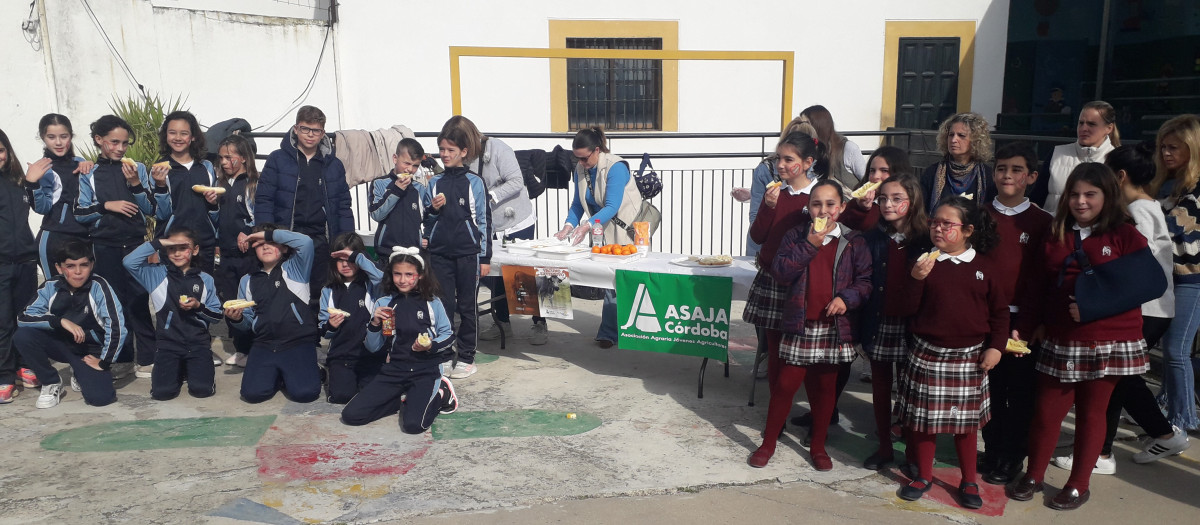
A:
[(821, 387), (924, 445), (881, 400), (1054, 399), (774, 363)]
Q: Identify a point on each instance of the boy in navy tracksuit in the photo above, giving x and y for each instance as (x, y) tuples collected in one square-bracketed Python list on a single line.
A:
[(185, 304), (181, 145), (75, 319), (353, 287), (284, 327), (303, 188), (458, 245), (114, 200), (411, 381), (399, 201)]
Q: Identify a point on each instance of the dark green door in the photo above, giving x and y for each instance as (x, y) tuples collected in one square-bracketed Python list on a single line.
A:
[(927, 88)]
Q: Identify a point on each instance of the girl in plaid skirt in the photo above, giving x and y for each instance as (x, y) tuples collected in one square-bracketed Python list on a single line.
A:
[(1080, 363), (827, 270), (799, 159), (894, 244), (958, 309)]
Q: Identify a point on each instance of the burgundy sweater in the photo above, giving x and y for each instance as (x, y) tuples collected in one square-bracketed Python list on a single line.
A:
[(1050, 307), (858, 218), (959, 305), (771, 224), (1019, 254)]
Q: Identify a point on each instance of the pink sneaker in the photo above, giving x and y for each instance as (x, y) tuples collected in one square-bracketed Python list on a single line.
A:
[(7, 393), (28, 378)]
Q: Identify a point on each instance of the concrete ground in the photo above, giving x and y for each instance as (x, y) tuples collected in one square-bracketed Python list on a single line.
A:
[(642, 448)]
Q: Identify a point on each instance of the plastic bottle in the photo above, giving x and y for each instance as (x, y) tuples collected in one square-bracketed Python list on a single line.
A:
[(597, 233)]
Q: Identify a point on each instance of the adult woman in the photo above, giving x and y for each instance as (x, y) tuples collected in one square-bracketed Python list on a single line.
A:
[(1178, 163), (604, 183), (966, 146), (510, 212), (846, 162), (1097, 135)]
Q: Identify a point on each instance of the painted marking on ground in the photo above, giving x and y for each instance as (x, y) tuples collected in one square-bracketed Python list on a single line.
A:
[(324, 461), (860, 446), (482, 358), (945, 491), (512, 423), (161, 433), (246, 510)]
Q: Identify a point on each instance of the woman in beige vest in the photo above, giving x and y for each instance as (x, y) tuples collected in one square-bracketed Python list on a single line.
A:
[(606, 192)]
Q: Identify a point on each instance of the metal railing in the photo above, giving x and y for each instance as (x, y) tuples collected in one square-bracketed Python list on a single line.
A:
[(698, 214)]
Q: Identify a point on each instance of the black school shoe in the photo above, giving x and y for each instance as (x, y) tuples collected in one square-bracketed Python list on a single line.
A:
[(1069, 498), (967, 499), (877, 462), (1006, 472), (911, 493)]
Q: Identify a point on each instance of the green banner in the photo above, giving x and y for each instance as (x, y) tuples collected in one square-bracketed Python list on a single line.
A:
[(674, 314)]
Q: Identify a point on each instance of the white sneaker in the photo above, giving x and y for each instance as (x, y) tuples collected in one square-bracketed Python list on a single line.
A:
[(121, 370), (538, 335), (49, 396), (1104, 465), (493, 332), (462, 370), (144, 372), (217, 361), (75, 385), (1161, 448)]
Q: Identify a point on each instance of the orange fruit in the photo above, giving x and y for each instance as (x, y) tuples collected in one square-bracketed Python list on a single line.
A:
[(595, 249)]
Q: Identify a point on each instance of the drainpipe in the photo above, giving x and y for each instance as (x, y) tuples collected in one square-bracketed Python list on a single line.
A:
[(47, 56), (1102, 54), (337, 62)]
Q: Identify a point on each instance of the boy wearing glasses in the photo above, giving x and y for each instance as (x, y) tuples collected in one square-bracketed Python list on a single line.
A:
[(303, 188), (1022, 227), (184, 301)]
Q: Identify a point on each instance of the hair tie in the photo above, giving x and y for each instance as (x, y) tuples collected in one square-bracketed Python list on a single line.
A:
[(815, 143), (415, 253)]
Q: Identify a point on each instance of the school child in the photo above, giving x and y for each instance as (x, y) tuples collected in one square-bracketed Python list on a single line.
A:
[(783, 207), (894, 244), (352, 288), (1079, 363), (185, 304), (235, 220), (958, 310), (114, 201), (827, 271), (1022, 227), (181, 167), (410, 382), (303, 189), (18, 260), (863, 214), (285, 329), (457, 223), (1134, 167), (57, 178), (399, 201), (75, 319)]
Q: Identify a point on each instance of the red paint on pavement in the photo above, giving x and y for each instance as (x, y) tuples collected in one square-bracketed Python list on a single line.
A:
[(945, 491), (326, 461)]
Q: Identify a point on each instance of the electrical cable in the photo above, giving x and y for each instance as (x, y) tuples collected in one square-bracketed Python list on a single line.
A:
[(113, 49), (307, 88)]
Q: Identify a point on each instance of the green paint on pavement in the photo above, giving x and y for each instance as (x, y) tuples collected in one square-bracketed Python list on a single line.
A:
[(161, 433), (512, 423), (860, 446), (481, 358)]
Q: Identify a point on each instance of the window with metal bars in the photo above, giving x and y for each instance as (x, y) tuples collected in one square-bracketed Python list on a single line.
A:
[(616, 94)]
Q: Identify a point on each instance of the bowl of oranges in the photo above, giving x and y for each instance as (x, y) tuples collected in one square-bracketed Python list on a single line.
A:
[(616, 252)]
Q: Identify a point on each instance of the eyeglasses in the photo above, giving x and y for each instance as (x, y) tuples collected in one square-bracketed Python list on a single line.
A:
[(884, 201), (585, 157), (940, 224), (305, 130)]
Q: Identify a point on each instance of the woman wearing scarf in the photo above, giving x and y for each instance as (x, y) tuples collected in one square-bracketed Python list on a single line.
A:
[(964, 170)]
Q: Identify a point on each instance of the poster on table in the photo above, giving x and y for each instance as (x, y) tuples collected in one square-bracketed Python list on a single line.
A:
[(544, 291), (674, 314)]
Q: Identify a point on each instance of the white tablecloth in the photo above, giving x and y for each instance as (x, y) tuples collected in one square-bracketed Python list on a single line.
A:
[(587, 272)]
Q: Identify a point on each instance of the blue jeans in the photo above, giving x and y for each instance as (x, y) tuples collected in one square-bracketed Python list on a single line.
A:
[(608, 318), (1178, 377)]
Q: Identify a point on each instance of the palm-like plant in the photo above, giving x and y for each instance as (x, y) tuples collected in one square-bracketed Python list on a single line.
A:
[(145, 115)]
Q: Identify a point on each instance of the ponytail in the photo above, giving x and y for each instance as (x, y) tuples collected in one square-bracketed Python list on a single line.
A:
[(591, 138)]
